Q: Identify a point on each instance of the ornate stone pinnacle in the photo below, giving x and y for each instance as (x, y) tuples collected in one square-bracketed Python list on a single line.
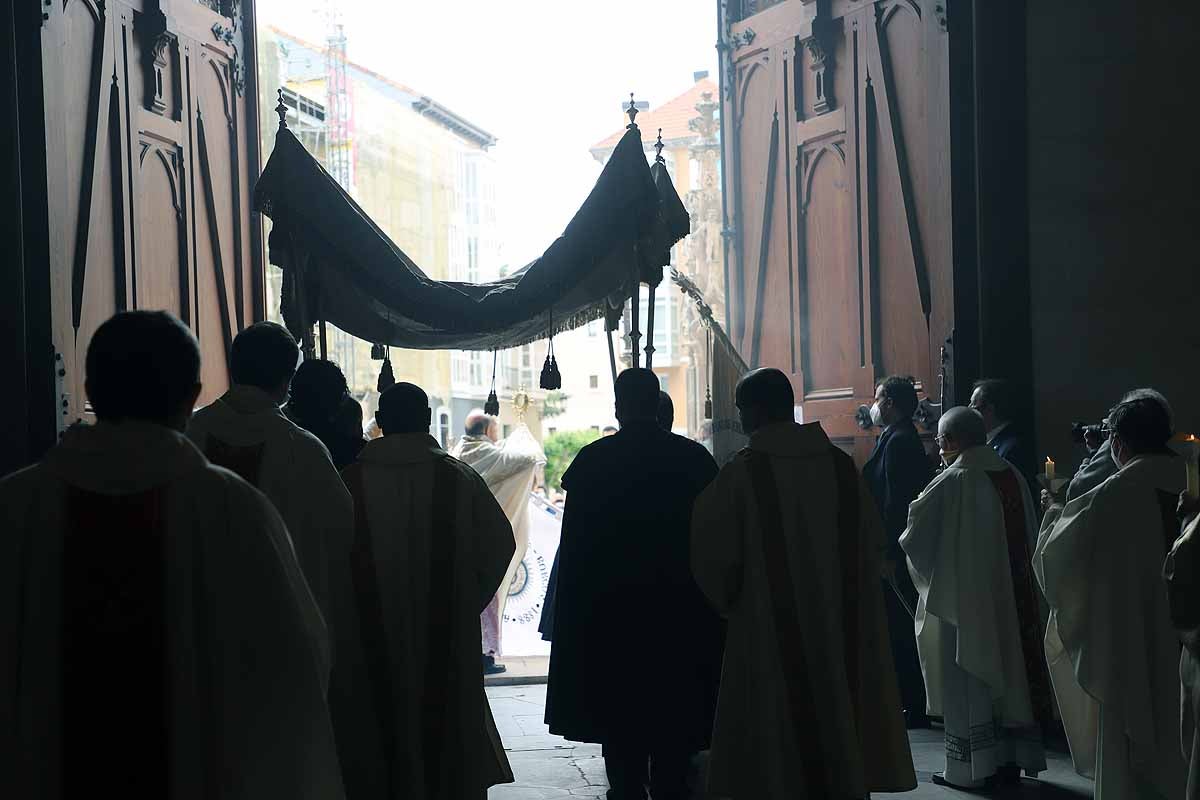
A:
[(281, 110), (658, 148), (632, 112)]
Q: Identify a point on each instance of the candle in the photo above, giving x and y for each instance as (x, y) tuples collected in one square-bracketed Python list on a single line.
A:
[(1193, 467), (1049, 469)]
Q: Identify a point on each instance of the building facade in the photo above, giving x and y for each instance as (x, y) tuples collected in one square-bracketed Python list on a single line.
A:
[(691, 150)]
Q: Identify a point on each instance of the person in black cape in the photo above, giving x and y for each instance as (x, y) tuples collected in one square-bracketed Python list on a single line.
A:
[(637, 649), (897, 471)]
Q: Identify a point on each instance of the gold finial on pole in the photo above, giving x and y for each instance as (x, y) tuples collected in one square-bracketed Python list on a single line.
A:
[(632, 112), (281, 110), (658, 148)]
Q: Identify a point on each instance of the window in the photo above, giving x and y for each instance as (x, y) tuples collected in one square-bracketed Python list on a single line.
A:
[(443, 428), (593, 381), (473, 259), (664, 383)]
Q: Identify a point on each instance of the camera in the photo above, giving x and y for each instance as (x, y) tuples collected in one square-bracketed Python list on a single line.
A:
[(1090, 436)]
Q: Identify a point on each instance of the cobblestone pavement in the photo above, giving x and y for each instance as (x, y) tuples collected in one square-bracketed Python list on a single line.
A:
[(551, 768)]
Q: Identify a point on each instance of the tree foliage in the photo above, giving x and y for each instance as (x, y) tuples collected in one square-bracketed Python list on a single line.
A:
[(561, 448), (554, 404)]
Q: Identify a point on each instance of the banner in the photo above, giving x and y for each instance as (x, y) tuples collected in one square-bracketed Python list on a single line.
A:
[(727, 369), (527, 591)]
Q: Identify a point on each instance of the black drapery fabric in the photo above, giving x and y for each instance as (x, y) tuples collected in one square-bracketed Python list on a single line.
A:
[(341, 267)]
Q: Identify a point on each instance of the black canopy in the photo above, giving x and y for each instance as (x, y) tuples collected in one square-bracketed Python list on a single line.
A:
[(339, 266)]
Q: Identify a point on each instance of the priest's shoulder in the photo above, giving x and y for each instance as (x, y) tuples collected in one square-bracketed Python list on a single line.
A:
[(598, 456), (302, 440), (234, 486), (695, 453), (465, 471)]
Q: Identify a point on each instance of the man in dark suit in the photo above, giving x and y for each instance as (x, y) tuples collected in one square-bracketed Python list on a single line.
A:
[(896, 472), (993, 399), (637, 648)]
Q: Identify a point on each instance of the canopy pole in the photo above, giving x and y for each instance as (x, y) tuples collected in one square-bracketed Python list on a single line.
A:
[(635, 334), (662, 162), (612, 354), (650, 330)]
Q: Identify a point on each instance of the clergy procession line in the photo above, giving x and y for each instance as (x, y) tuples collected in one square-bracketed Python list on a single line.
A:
[(202, 606)]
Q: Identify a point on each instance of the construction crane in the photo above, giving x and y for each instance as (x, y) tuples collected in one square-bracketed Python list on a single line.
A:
[(337, 105)]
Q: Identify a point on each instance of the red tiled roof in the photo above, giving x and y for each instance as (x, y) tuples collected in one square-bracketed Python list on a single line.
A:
[(672, 116)]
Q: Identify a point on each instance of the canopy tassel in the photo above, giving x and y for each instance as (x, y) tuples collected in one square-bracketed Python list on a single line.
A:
[(708, 404), (386, 378), (551, 378), (492, 406)]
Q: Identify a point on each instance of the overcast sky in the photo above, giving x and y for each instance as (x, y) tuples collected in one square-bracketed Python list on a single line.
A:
[(546, 77)]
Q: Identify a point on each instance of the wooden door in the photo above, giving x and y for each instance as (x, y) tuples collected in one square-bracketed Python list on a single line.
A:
[(151, 137), (837, 151)]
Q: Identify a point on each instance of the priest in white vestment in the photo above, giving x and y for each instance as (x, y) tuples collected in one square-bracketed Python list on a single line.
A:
[(430, 547), (157, 639), (1100, 566), (1182, 571), (509, 468), (244, 430), (969, 542), (787, 544)]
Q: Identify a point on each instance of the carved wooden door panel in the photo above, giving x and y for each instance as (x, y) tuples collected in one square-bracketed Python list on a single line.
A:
[(837, 148), (151, 150)]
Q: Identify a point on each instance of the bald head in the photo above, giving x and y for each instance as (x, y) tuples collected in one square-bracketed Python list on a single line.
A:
[(764, 396), (403, 408), (637, 396), (962, 428), (480, 423)]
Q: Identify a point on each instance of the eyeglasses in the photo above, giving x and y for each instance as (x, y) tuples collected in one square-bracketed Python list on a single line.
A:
[(939, 440)]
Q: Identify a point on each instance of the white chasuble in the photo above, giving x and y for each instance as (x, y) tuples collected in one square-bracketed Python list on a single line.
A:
[(430, 545), (1111, 640), (245, 431), (1182, 572), (157, 636), (509, 468), (978, 621), (787, 545)]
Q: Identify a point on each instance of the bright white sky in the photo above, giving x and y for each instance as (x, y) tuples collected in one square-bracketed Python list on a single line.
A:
[(546, 77)]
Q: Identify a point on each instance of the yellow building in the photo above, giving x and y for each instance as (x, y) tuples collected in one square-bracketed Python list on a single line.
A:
[(424, 175)]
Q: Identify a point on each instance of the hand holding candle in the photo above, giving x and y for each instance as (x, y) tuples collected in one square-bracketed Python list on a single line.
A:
[(1049, 469), (1192, 459), (1188, 447)]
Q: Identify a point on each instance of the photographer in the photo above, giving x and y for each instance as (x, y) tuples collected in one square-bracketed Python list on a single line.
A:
[(1096, 467)]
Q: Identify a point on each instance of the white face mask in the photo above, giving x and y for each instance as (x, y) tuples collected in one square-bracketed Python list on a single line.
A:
[(949, 457), (876, 415)]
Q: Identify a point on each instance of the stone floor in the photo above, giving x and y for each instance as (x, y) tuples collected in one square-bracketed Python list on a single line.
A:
[(520, 670), (548, 767)]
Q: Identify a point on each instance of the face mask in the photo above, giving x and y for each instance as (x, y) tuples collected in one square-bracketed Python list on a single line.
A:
[(876, 415), (949, 457), (1112, 452)]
